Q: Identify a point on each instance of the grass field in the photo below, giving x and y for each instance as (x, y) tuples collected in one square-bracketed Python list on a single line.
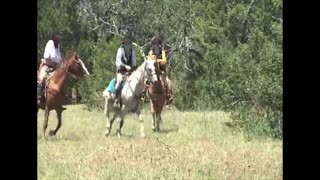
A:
[(192, 145)]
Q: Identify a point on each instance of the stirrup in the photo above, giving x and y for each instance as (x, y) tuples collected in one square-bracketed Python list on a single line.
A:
[(116, 102), (169, 99)]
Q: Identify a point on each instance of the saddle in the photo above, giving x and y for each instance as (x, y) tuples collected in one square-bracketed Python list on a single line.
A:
[(50, 69), (48, 77)]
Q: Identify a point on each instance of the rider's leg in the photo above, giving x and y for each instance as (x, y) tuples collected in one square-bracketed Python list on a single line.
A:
[(168, 85), (169, 91), (41, 79)]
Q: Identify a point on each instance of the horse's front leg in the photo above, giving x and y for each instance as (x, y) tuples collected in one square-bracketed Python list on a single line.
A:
[(122, 114), (153, 117), (59, 117), (45, 124), (158, 121), (109, 124), (153, 121)]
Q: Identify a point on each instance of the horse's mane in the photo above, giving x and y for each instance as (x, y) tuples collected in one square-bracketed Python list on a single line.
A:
[(139, 69), (66, 58), (69, 55), (63, 65)]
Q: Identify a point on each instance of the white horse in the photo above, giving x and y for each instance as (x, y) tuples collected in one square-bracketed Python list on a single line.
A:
[(130, 96)]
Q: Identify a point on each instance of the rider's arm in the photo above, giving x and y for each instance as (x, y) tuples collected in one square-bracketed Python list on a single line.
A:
[(163, 55), (119, 64), (134, 62), (58, 58), (48, 50), (150, 54)]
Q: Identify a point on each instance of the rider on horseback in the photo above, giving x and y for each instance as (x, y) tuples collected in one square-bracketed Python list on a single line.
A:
[(158, 53), (51, 61), (125, 63)]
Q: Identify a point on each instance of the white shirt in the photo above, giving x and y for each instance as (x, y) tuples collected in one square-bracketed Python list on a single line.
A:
[(121, 54), (52, 53)]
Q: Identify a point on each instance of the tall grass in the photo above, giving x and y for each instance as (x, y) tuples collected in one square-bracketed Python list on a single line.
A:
[(192, 145)]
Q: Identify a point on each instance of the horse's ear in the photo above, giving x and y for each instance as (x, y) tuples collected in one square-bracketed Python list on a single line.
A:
[(76, 55)]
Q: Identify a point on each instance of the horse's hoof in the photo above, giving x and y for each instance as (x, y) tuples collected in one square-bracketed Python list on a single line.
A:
[(115, 104), (107, 134), (43, 138), (142, 135), (118, 133), (153, 129), (52, 133)]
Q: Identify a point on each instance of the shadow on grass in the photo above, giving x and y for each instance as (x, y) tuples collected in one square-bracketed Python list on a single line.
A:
[(69, 137), (168, 130)]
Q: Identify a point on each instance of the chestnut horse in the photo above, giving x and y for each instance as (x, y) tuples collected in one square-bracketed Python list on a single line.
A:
[(157, 95), (54, 92)]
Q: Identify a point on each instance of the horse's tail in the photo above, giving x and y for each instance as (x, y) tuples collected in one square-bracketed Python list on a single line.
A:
[(105, 93), (106, 105)]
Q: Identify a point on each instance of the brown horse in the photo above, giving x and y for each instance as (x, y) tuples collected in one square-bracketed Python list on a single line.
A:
[(54, 93), (157, 95)]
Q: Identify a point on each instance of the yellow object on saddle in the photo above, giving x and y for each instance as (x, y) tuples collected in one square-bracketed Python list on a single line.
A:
[(162, 61)]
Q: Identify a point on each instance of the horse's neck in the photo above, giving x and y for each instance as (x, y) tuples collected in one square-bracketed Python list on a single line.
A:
[(161, 79), (158, 86), (135, 80), (60, 77)]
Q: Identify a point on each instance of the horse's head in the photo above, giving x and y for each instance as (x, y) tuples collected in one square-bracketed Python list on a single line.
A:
[(151, 70), (76, 66)]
